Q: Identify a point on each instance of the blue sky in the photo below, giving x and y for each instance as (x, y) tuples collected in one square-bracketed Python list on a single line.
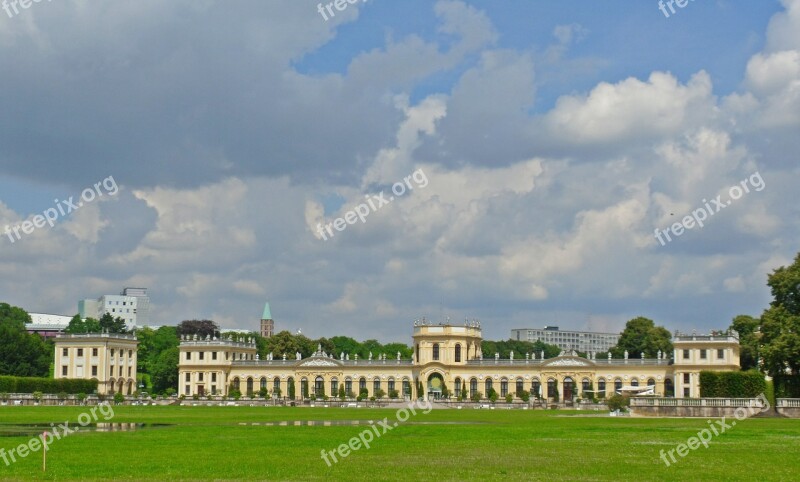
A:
[(556, 136)]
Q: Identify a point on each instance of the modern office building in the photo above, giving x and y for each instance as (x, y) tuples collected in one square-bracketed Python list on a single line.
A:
[(132, 305), (108, 358), (582, 341), (448, 356)]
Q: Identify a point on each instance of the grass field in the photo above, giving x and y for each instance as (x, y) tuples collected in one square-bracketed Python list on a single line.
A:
[(233, 443)]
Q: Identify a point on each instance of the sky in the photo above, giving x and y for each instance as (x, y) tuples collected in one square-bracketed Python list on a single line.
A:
[(512, 162)]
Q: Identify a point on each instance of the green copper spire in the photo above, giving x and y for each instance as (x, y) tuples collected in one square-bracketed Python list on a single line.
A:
[(267, 314)]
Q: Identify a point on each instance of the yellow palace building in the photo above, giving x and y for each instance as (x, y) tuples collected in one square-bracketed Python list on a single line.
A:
[(450, 356)]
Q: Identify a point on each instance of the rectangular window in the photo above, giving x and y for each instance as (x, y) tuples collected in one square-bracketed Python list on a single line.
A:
[(703, 354), (129, 371), (721, 354), (120, 371), (94, 351), (80, 351), (64, 371), (188, 377), (686, 392), (685, 354), (188, 355), (188, 391), (199, 377), (213, 377), (65, 351), (130, 353), (94, 370), (112, 352), (213, 355), (202, 353), (686, 378)]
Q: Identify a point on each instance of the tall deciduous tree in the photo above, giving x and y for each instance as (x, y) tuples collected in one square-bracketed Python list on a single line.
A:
[(748, 329), (641, 335), (201, 328), (21, 354), (780, 330)]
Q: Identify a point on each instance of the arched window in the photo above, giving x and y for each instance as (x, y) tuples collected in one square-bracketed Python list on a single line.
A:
[(406, 387), (263, 383), (458, 353), (488, 386), (473, 386), (348, 387), (362, 385), (236, 383), (536, 388), (503, 387), (651, 382), (551, 388), (390, 385), (276, 386), (586, 388), (457, 388), (334, 387), (635, 382), (435, 352), (376, 385), (304, 387), (249, 386), (601, 387), (569, 386), (617, 384), (319, 387), (520, 386)]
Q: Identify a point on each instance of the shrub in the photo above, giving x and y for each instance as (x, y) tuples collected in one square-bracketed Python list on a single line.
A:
[(732, 384), (618, 402), (509, 398), (524, 395), (37, 396), (46, 385), (394, 394), (119, 398), (476, 396), (380, 394)]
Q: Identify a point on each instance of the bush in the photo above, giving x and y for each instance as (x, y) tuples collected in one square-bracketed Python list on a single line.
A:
[(119, 398), (476, 396), (509, 398), (524, 396), (394, 394), (37, 396), (618, 402), (732, 384), (46, 385)]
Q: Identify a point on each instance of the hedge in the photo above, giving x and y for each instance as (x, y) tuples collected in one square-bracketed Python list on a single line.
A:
[(732, 384), (46, 385)]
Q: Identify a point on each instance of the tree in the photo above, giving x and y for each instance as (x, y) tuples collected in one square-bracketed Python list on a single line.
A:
[(79, 326), (22, 354), (342, 395), (642, 336), (519, 347), (109, 324), (748, 329), (290, 389), (780, 330), (165, 370), (201, 328)]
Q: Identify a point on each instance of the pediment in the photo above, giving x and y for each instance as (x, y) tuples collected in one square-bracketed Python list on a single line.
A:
[(568, 361), (319, 362)]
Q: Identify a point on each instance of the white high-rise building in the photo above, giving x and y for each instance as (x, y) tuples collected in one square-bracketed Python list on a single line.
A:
[(132, 305)]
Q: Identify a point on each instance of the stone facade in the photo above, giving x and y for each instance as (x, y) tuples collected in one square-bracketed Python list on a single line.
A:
[(108, 358), (449, 356)]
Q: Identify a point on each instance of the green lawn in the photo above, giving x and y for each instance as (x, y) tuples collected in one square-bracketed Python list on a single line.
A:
[(223, 443)]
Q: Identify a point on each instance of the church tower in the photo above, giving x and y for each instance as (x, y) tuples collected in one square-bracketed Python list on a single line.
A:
[(267, 324)]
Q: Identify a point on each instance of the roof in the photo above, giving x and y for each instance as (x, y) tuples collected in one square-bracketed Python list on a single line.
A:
[(267, 314)]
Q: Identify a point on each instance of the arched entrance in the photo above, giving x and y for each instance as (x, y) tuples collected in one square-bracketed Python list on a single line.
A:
[(435, 385), (568, 386)]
